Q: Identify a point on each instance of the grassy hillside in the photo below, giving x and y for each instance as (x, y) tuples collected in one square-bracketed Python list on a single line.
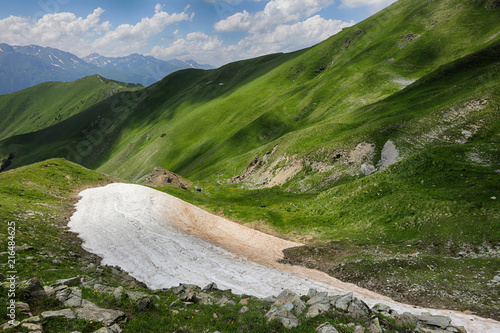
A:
[(49, 103), (417, 82), (200, 123)]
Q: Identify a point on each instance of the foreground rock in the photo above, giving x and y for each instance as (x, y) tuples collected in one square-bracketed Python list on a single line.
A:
[(288, 309)]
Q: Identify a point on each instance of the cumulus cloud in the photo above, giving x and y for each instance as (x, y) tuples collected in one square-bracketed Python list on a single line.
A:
[(75, 34), (283, 38), (196, 45), (59, 30), (275, 13), (131, 37)]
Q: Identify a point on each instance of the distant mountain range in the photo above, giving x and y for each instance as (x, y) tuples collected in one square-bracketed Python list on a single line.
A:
[(24, 66)]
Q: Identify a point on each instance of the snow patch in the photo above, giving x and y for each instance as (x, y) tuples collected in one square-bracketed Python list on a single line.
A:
[(163, 241)]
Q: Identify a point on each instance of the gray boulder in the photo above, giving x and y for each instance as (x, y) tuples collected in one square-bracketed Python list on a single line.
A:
[(319, 297), (344, 301), (189, 296), (118, 293), (288, 296), (112, 329), (211, 287), (142, 301), (374, 327), (406, 319), (66, 313), (317, 309), (326, 328), (36, 289), (104, 316), (72, 282), (287, 319), (358, 309), (434, 321)]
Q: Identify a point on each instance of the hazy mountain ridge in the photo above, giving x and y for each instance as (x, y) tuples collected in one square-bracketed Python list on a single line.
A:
[(24, 66), (151, 68)]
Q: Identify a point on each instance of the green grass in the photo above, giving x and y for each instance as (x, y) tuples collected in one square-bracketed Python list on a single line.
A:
[(314, 104), (38, 199), (318, 98), (49, 103)]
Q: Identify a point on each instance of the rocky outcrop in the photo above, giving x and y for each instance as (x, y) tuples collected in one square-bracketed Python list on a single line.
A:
[(287, 309), (161, 177)]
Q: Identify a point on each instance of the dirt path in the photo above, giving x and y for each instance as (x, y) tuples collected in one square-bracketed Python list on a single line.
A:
[(163, 241)]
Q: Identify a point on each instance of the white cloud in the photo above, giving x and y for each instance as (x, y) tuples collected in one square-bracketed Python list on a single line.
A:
[(196, 45), (283, 38), (59, 30), (127, 38), (82, 36), (275, 13)]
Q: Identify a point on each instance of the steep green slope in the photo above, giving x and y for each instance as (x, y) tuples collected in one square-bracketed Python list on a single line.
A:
[(49, 103), (416, 84), (200, 123)]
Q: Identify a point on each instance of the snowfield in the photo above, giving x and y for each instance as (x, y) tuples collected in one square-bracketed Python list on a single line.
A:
[(163, 241)]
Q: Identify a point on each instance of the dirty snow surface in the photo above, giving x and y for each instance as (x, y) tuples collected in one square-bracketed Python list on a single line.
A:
[(164, 241)]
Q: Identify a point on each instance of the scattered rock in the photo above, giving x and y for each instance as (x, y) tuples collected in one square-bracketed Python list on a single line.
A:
[(288, 296), (72, 282), (211, 287), (319, 297), (32, 327), (104, 316), (358, 309), (49, 291), (118, 292), (374, 327), (287, 319), (204, 298), (367, 168), (225, 300), (434, 321), (326, 328), (142, 301), (23, 308), (103, 289), (343, 302), (406, 319), (269, 299), (24, 247), (113, 329), (36, 289), (188, 297), (66, 313), (495, 280), (311, 293), (359, 329), (317, 309), (33, 320), (385, 310), (244, 309)]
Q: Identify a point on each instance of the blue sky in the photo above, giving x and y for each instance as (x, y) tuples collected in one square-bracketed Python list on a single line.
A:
[(209, 31)]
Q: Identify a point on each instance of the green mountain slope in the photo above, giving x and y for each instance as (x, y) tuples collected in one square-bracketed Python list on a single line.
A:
[(49, 103), (383, 139), (199, 123)]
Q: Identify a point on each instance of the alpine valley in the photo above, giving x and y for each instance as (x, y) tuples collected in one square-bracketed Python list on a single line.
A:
[(378, 148)]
